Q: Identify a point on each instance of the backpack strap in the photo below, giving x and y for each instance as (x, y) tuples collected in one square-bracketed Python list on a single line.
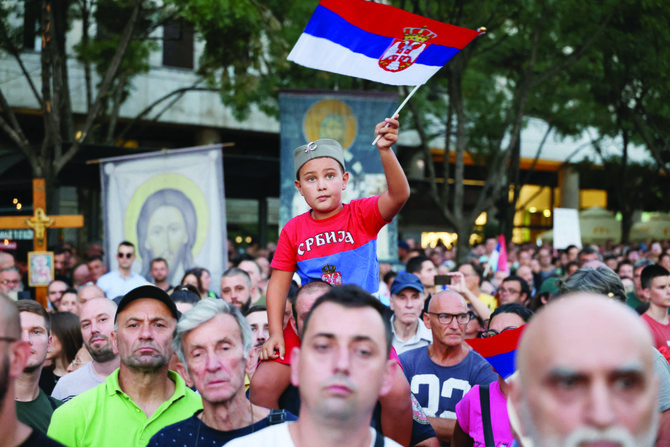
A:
[(485, 402)]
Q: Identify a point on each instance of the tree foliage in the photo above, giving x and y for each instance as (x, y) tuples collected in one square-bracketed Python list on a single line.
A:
[(574, 64)]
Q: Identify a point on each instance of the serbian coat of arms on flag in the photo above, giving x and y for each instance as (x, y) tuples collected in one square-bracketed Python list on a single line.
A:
[(403, 52)]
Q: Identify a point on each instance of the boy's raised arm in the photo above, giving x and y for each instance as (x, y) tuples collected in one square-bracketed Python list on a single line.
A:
[(278, 287), (393, 199)]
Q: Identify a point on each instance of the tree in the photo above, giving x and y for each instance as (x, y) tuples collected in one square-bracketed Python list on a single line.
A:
[(493, 84), (59, 144), (125, 34), (619, 89)]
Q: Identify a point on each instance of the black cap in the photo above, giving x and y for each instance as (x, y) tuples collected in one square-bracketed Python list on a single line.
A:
[(148, 291)]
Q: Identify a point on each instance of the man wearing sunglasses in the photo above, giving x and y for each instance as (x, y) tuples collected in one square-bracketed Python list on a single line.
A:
[(123, 280), (441, 373)]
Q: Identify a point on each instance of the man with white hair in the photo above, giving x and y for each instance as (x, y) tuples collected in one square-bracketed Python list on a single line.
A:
[(584, 381), (213, 340)]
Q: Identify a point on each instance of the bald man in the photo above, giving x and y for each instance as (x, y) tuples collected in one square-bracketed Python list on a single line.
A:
[(14, 356), (441, 373), (89, 292), (6, 260), (582, 379)]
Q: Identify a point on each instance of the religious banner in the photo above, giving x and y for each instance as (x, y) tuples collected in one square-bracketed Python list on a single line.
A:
[(170, 204), (350, 118)]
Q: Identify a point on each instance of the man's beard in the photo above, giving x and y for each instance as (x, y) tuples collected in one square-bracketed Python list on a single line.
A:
[(158, 279), (148, 363), (581, 435), (102, 354), (245, 306)]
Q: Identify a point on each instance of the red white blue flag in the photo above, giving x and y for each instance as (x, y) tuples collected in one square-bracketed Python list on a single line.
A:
[(377, 42), (498, 259), (499, 350)]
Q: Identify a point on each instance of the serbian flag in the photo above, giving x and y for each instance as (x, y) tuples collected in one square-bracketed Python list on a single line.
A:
[(498, 259), (499, 350), (377, 42)]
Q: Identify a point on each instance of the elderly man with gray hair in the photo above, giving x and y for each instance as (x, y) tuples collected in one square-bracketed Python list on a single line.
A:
[(212, 341)]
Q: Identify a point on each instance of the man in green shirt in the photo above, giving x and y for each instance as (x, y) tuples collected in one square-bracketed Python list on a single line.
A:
[(142, 396)]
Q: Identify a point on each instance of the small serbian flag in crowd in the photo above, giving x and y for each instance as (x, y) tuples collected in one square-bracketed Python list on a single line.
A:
[(377, 42), (498, 259), (499, 350)]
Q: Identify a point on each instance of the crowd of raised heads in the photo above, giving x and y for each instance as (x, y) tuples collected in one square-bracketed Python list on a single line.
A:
[(532, 275), (82, 339), (543, 269)]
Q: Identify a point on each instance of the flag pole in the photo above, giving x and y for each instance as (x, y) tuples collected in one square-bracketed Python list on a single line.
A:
[(416, 87), (480, 31)]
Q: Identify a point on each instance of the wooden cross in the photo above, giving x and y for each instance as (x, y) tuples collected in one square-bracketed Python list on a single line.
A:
[(39, 222)]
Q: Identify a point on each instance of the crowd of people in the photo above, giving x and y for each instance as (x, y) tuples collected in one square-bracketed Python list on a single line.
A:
[(312, 342)]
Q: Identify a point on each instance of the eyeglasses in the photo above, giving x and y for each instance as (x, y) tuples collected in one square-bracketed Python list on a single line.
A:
[(445, 318), (492, 332), (125, 255), (8, 339), (10, 281)]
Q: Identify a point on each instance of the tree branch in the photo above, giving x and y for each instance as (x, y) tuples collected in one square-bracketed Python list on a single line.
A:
[(116, 106), (537, 156), (104, 87), (15, 136), (575, 55), (14, 131), (651, 145), (151, 106), (11, 48)]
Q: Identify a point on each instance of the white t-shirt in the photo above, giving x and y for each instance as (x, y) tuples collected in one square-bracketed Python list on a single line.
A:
[(279, 436), (114, 284), (75, 383)]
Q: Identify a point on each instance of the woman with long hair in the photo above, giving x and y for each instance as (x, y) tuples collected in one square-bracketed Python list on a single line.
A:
[(66, 340)]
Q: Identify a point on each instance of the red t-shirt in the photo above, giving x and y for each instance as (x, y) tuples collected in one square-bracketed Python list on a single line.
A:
[(660, 332), (291, 340)]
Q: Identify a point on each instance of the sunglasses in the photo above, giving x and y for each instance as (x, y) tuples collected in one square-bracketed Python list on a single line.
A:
[(124, 255)]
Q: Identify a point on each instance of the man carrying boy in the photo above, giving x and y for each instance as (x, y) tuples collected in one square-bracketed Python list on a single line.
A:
[(655, 284), (334, 242)]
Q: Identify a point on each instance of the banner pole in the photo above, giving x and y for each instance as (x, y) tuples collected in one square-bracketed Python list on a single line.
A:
[(416, 87)]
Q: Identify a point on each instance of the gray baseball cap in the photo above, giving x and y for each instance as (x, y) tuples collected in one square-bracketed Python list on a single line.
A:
[(317, 149)]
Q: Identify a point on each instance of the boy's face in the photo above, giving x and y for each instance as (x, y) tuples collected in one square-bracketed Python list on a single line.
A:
[(321, 184), (659, 291)]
